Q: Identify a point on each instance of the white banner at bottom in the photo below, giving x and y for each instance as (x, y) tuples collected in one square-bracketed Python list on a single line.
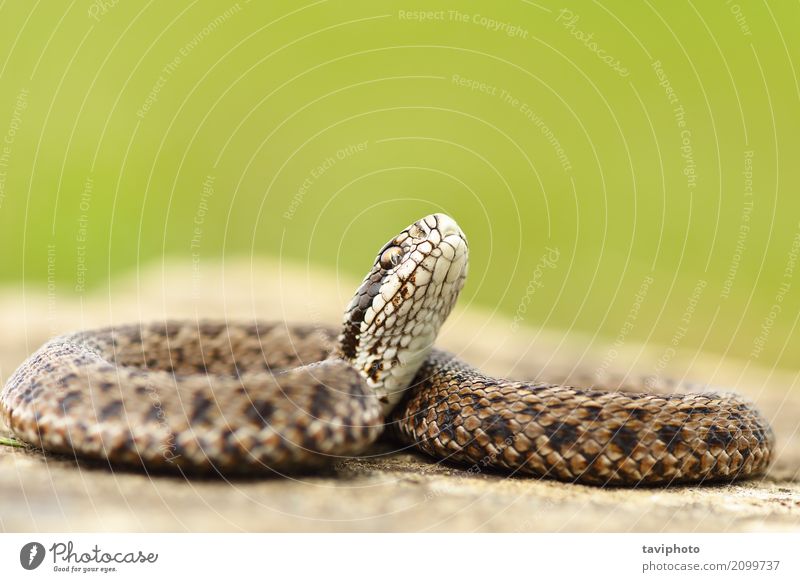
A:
[(401, 557)]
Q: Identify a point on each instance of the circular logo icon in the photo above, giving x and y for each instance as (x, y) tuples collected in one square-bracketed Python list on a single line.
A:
[(31, 555)]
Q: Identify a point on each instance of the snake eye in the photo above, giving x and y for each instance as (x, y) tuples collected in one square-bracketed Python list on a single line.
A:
[(391, 257)]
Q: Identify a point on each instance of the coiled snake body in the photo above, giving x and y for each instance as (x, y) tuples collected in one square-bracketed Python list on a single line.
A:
[(247, 397)]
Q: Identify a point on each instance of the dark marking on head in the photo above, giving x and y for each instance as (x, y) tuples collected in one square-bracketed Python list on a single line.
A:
[(370, 288), (351, 333)]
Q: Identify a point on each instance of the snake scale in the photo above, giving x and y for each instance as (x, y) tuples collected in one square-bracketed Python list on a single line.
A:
[(250, 397)]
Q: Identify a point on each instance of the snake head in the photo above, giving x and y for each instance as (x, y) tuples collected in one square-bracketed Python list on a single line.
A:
[(395, 315)]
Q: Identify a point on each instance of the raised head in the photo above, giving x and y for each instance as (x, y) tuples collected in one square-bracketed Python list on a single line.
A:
[(395, 315)]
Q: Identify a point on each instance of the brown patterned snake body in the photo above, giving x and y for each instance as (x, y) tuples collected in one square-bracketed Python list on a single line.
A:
[(247, 397)]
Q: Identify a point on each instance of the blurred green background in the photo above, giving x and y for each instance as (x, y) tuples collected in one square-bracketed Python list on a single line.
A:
[(652, 147)]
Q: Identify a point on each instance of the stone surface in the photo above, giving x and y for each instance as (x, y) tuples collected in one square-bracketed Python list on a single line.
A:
[(385, 490)]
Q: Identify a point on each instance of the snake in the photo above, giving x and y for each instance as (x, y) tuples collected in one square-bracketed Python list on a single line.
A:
[(205, 396)]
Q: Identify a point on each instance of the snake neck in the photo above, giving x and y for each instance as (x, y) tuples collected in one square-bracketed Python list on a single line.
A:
[(395, 315)]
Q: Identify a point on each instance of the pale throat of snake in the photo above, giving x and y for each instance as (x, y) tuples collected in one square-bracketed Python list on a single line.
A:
[(395, 315)]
